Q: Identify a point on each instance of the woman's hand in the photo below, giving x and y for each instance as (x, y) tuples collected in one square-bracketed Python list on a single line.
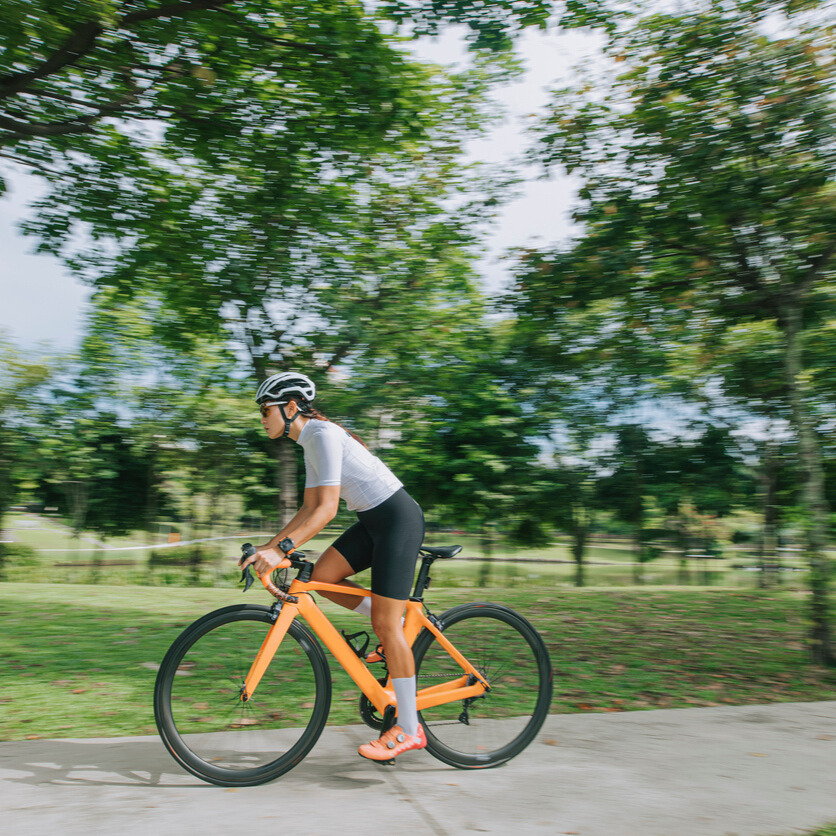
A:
[(265, 560)]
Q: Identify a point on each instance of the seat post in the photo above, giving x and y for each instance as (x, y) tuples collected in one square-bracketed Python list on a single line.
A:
[(423, 577)]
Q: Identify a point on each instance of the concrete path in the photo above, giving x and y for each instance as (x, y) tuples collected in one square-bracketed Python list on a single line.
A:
[(750, 771)]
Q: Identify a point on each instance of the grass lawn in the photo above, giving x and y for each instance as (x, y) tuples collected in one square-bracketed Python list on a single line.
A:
[(80, 660)]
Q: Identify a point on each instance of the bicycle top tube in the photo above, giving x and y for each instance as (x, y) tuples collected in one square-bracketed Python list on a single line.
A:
[(298, 560)]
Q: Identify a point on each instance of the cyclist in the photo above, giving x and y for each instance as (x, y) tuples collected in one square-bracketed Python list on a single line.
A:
[(386, 537)]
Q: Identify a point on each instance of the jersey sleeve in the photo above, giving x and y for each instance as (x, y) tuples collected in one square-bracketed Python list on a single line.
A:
[(324, 460)]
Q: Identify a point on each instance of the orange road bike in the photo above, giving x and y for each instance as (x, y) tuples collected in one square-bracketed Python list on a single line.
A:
[(244, 693)]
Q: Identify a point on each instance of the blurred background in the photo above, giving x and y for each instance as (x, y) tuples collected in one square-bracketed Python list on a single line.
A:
[(567, 268)]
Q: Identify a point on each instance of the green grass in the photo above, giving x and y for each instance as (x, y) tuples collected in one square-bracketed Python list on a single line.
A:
[(80, 660)]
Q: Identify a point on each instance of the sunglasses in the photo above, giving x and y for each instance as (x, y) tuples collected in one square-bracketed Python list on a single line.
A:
[(265, 407)]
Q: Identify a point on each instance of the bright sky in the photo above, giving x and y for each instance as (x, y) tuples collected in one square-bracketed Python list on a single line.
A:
[(41, 302)]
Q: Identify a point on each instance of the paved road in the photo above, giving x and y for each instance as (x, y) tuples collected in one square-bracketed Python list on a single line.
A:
[(749, 771)]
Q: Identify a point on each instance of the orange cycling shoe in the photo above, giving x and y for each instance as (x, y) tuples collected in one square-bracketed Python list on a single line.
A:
[(376, 655), (393, 743)]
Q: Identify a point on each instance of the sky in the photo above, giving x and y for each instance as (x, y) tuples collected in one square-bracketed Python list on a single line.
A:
[(42, 304)]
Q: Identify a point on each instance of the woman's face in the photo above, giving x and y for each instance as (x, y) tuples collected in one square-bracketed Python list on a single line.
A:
[(271, 417)]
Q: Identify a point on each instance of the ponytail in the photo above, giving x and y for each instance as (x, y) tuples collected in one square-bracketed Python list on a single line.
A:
[(312, 412)]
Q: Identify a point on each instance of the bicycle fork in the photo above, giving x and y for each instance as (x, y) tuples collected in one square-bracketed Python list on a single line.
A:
[(267, 650)]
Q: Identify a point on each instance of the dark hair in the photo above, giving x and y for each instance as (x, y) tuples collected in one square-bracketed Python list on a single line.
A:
[(310, 411)]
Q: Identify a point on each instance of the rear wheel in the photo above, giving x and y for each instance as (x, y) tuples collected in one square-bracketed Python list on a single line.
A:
[(510, 654), (201, 717)]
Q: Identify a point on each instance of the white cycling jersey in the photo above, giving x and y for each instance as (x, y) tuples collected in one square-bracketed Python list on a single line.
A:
[(333, 457)]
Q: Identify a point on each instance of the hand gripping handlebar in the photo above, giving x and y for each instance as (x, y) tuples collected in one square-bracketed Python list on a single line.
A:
[(247, 550)]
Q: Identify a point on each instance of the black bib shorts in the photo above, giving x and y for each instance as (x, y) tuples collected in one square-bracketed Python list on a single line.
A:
[(387, 538)]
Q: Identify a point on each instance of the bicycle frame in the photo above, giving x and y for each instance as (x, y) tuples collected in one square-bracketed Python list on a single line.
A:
[(470, 684)]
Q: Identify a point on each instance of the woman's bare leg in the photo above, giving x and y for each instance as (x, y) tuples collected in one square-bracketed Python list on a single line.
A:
[(388, 626), (332, 567), (386, 622)]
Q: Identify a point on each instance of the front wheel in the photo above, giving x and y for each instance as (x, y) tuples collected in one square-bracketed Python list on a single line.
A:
[(495, 727), (201, 717)]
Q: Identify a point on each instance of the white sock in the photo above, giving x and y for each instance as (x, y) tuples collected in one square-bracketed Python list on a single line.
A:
[(407, 707), (364, 607)]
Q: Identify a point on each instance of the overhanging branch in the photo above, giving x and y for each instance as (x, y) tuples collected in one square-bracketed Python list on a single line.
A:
[(82, 40)]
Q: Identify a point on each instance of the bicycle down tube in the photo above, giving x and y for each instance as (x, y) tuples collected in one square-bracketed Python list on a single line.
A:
[(470, 684)]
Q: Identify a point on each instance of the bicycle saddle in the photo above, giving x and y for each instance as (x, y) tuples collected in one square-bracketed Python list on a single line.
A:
[(441, 551)]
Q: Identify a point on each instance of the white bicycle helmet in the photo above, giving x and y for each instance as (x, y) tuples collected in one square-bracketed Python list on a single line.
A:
[(280, 387)]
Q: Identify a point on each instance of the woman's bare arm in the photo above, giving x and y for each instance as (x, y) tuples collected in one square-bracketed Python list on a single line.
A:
[(318, 509)]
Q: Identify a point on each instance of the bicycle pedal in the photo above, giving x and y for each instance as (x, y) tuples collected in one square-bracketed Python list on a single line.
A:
[(385, 763)]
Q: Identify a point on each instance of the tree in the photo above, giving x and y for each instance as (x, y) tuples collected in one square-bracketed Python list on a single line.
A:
[(66, 69), (190, 415), (90, 466), (708, 200), (625, 490), (304, 188), (205, 69), (571, 490), (454, 427), (21, 385)]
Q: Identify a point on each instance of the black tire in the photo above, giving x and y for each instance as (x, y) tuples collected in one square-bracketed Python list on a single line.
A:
[(203, 722), (510, 653)]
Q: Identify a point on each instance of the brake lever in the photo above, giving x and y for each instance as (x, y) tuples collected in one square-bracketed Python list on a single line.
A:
[(247, 550), (247, 578)]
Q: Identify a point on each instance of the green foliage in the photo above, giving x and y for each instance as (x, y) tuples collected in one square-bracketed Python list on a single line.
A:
[(466, 441), (97, 472), (492, 25), (707, 162), (269, 185), (23, 389), (706, 166)]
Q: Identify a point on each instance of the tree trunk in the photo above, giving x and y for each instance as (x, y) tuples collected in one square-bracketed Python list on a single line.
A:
[(5, 480), (487, 552), (684, 574), (195, 552), (76, 492), (5, 492), (579, 534), (769, 538), (638, 553), (286, 482), (151, 499), (98, 562), (814, 506)]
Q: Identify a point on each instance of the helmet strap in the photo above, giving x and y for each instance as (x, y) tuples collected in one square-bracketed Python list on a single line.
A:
[(288, 421)]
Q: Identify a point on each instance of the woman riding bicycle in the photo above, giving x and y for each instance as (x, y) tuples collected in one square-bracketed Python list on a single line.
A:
[(386, 537)]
